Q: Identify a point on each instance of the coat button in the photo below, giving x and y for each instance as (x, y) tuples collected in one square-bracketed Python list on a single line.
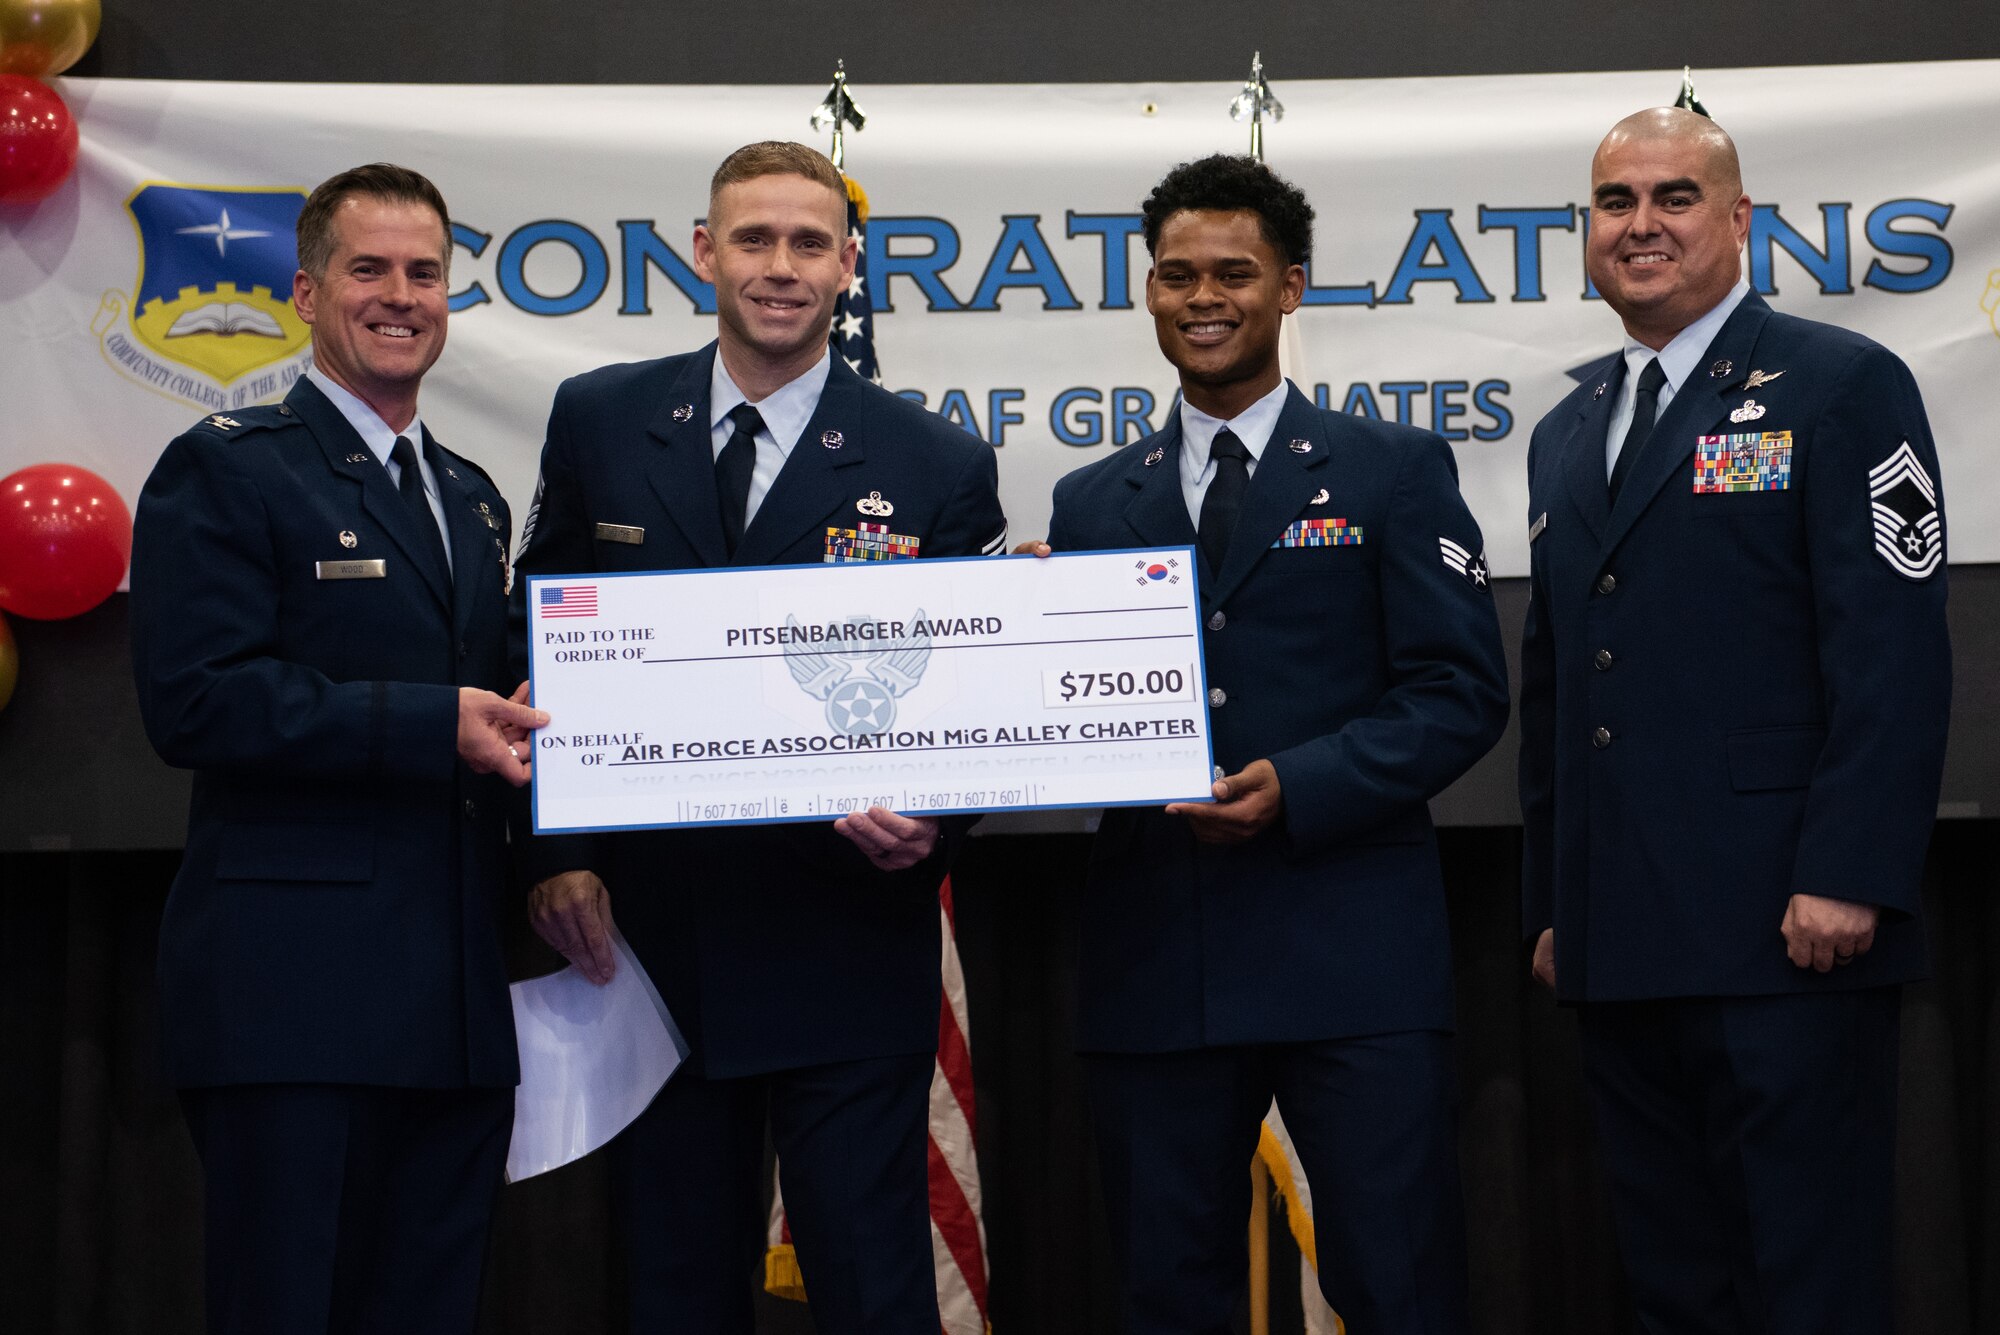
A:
[(1602, 660), (472, 809), (1216, 621), (1599, 739), (1606, 582), (1217, 697)]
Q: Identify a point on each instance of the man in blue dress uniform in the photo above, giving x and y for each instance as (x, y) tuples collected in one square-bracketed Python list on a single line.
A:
[(801, 961), (1288, 940), (1735, 679), (318, 631)]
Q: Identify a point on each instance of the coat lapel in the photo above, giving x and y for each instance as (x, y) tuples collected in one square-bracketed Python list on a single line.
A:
[(349, 457), (1158, 510), (1289, 474), (1582, 457), (478, 550), (807, 489), (1698, 409), (682, 471)]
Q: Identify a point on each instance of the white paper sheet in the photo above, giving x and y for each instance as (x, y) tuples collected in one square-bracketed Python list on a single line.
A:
[(592, 1059)]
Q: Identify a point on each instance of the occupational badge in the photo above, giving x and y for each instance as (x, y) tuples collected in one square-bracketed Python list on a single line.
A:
[(1759, 379), (1749, 412), (874, 506), (1909, 533), (1320, 497), (347, 539)]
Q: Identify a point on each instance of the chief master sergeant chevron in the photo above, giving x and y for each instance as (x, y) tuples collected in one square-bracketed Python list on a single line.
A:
[(1288, 940), (1735, 678), (801, 961), (318, 629)]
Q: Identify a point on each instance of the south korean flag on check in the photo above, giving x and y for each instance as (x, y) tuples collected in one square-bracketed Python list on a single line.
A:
[(1908, 531), (1471, 565)]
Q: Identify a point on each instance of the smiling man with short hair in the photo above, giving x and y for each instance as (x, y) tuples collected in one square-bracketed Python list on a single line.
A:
[(1735, 683), (801, 961), (1287, 940)]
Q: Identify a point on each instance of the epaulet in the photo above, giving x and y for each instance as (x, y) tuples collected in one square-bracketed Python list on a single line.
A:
[(245, 421)]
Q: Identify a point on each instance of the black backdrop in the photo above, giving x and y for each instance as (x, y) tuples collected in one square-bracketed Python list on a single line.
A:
[(98, 1191)]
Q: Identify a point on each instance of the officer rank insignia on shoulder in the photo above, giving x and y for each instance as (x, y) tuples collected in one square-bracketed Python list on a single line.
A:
[(1320, 533), (1747, 461), (1469, 564), (1908, 531), (868, 542)]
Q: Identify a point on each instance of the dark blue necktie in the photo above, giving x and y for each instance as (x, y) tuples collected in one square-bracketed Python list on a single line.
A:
[(732, 472)]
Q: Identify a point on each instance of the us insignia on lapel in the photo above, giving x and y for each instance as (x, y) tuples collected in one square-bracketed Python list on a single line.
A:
[(868, 542), (1908, 531), (1472, 566), (1320, 533), (1749, 461)]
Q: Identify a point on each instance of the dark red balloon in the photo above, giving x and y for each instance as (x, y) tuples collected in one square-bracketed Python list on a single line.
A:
[(65, 538), (37, 140)]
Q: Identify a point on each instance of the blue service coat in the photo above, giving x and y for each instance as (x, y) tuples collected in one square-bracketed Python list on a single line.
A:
[(1370, 675), (333, 919), (774, 946), (1732, 696)]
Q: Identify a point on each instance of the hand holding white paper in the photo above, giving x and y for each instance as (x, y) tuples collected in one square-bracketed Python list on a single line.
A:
[(592, 1059)]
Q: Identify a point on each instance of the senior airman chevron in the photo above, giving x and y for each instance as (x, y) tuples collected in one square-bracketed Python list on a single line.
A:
[(1469, 564)]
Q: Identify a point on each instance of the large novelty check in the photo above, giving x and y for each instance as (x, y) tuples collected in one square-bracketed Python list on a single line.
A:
[(787, 693)]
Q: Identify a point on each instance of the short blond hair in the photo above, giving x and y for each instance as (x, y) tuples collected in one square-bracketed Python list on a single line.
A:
[(774, 157)]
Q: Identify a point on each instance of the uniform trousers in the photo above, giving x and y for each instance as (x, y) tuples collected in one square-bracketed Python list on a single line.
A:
[(1750, 1145), (852, 1141), (1374, 1123), (349, 1209)]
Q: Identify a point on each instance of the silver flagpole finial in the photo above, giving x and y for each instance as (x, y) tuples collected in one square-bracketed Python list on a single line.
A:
[(837, 111), (1687, 99), (1256, 104)]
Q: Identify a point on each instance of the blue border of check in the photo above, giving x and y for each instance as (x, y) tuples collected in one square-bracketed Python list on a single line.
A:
[(1201, 693)]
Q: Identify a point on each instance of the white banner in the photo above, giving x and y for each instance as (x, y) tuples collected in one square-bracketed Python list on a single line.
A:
[(1008, 273)]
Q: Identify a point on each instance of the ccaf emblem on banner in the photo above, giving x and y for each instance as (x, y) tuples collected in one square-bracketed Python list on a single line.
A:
[(209, 319)]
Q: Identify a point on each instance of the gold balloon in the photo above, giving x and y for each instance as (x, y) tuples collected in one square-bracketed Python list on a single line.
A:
[(10, 663), (43, 37)]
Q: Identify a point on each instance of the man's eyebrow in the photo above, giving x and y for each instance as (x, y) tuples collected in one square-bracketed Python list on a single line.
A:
[(1680, 185), (1612, 190)]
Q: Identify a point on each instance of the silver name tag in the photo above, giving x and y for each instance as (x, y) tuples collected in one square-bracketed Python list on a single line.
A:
[(627, 533), (376, 569)]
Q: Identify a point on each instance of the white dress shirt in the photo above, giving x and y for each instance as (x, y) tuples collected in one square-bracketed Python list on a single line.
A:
[(380, 439), (1253, 426), (785, 411), (1678, 360)]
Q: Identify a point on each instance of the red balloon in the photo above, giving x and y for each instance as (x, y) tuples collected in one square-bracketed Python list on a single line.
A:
[(37, 140), (65, 538)]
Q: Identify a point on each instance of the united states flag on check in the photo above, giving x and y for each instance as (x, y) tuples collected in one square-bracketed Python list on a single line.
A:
[(569, 600)]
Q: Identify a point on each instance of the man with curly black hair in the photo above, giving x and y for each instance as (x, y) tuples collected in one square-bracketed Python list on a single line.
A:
[(1286, 941)]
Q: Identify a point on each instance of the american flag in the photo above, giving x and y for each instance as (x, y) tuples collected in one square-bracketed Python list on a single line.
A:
[(853, 335), (568, 600), (958, 1235)]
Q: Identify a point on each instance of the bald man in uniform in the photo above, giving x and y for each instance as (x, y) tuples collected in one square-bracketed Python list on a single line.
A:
[(1735, 681)]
